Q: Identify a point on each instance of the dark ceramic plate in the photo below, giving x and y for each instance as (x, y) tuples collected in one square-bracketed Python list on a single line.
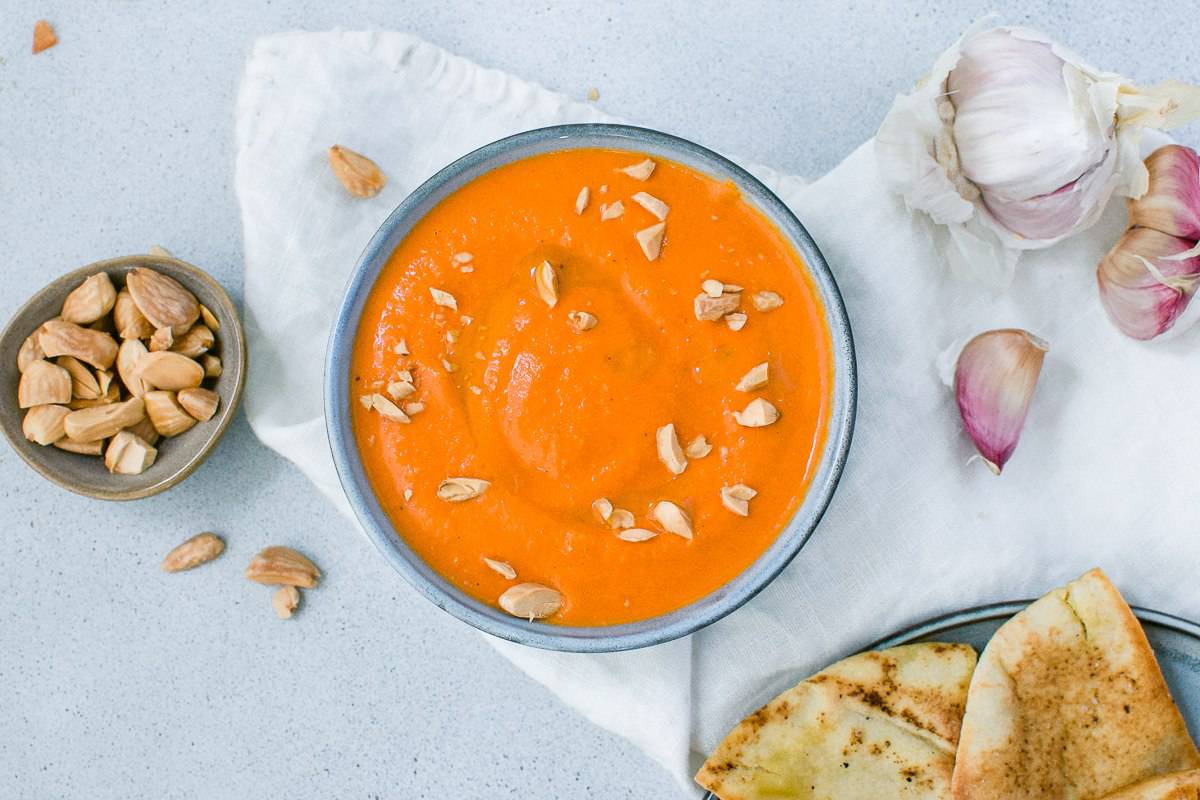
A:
[(1176, 642)]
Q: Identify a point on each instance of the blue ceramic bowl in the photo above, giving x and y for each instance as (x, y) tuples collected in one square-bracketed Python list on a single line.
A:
[(492, 620)]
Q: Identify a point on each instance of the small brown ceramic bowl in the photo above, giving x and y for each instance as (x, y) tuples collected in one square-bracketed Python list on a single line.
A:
[(178, 456)]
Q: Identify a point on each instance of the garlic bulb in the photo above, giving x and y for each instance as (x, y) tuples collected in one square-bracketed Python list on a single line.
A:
[(1014, 143), (1147, 281), (994, 380)]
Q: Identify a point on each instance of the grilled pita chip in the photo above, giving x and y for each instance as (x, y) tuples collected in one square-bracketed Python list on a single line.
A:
[(1068, 702), (1176, 786), (876, 725)]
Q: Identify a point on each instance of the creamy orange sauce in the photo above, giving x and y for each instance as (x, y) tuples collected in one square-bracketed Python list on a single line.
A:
[(555, 419)]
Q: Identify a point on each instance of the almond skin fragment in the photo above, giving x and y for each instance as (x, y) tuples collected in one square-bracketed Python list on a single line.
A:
[(698, 448), (129, 454), (737, 498), (89, 301), (200, 403), (163, 300), (200, 549), (283, 566), (43, 383), (652, 204), (169, 371), (545, 280), (44, 424), (581, 321), (755, 379), (501, 568), (651, 240), (101, 422), (636, 535), (456, 490), (44, 36), (766, 301), (166, 414), (361, 176), (531, 601), (58, 338), (669, 451), (711, 309), (285, 601), (130, 322), (759, 413), (640, 171), (30, 351), (672, 518)]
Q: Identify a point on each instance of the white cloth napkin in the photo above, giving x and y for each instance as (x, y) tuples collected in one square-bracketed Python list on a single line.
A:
[(1105, 475)]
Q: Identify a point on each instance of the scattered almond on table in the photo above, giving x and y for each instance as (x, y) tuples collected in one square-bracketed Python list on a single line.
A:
[(288, 569), (87, 393), (360, 175), (200, 549)]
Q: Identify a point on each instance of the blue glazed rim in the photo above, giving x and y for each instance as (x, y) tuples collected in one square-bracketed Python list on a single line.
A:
[(433, 586)]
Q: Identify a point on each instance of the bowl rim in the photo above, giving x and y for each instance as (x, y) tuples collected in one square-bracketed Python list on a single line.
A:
[(229, 404), (586, 639)]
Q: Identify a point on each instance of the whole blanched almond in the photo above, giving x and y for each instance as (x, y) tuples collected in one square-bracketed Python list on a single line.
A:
[(59, 338), (130, 322), (210, 319), (285, 567), (101, 422), (456, 490), (200, 549), (30, 351), (163, 300), (44, 424), (90, 301), (200, 403), (531, 601), (360, 175), (285, 601), (166, 414), (169, 371), (129, 454), (84, 385), (195, 343), (43, 383), (129, 355)]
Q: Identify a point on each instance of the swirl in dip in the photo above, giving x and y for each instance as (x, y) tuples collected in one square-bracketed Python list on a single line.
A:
[(523, 351)]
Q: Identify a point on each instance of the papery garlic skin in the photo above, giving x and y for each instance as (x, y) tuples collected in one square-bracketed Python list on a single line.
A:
[(1013, 142), (994, 380), (1171, 203), (1147, 282)]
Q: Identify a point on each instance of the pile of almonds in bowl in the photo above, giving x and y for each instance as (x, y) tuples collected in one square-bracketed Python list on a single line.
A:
[(148, 307)]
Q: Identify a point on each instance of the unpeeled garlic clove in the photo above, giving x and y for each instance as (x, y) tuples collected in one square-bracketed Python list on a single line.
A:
[(994, 380), (1147, 281), (1171, 203)]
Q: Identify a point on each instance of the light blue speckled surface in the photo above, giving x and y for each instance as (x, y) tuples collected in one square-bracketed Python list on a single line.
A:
[(119, 681)]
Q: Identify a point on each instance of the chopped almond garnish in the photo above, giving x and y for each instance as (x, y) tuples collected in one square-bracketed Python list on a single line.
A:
[(620, 518), (456, 490), (698, 447), (443, 298), (408, 494), (545, 280), (611, 211), (736, 321), (44, 36), (581, 200), (755, 379), (602, 507), (669, 451), (593, 94), (652, 204), (672, 518), (366, 402), (387, 409), (737, 498), (400, 389), (501, 568), (758, 414), (651, 239), (466, 319), (475, 390), (412, 409), (766, 301), (449, 366), (640, 171), (405, 375), (711, 309), (636, 535), (401, 348), (581, 321), (463, 258), (712, 288)]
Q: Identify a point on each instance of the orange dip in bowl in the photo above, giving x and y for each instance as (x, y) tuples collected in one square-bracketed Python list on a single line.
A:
[(554, 414)]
